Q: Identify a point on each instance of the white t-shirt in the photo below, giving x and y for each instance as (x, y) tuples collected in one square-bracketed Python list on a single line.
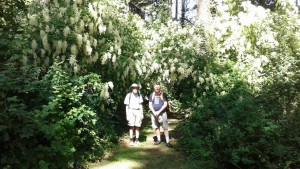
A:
[(135, 100)]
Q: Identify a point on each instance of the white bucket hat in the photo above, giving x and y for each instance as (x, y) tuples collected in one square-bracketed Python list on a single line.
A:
[(134, 85)]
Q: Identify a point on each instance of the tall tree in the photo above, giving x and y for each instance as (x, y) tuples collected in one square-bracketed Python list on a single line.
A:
[(199, 2), (203, 10), (183, 11)]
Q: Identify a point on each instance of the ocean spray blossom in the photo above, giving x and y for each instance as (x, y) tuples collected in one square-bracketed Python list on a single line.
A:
[(66, 31), (79, 40), (74, 50), (34, 45)]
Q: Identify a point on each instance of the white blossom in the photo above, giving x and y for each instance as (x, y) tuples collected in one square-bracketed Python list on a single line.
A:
[(104, 93), (96, 56), (79, 2), (79, 40), (32, 20), (46, 15), (114, 58), (76, 68), (45, 42), (181, 70), (67, 2), (34, 45), (222, 93), (104, 59), (62, 10), (101, 28), (88, 48), (66, 31), (43, 52), (95, 43), (74, 50), (138, 68), (64, 46), (91, 28), (72, 60), (58, 47), (201, 80)]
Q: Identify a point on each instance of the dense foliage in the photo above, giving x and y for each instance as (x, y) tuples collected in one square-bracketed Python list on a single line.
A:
[(58, 110), (66, 67), (245, 111)]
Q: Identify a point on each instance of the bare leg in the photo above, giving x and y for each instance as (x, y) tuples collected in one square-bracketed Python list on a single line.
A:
[(131, 132), (157, 132), (166, 131), (137, 133)]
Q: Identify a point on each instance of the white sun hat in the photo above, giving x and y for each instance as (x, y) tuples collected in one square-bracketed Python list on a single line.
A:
[(134, 85)]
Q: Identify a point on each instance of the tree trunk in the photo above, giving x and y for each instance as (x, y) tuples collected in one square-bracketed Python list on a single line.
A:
[(176, 10), (182, 11), (203, 10), (199, 8)]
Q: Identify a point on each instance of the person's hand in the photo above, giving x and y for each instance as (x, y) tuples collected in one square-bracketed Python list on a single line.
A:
[(156, 113), (153, 113)]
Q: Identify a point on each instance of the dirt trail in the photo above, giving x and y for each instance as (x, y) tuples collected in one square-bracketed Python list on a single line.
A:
[(146, 155)]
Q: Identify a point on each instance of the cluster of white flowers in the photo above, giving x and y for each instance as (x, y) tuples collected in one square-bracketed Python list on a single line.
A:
[(66, 31), (267, 40), (88, 48), (233, 33), (32, 20), (34, 45), (73, 60), (46, 14)]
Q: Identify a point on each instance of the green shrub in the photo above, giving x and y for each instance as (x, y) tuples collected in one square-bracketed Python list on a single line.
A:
[(236, 128), (70, 125)]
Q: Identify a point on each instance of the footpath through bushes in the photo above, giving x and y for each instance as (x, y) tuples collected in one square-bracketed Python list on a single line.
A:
[(66, 67)]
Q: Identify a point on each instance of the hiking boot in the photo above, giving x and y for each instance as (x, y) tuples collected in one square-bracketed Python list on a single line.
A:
[(169, 145), (157, 142)]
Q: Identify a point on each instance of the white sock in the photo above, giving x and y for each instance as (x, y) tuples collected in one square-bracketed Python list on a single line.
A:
[(158, 138), (167, 139)]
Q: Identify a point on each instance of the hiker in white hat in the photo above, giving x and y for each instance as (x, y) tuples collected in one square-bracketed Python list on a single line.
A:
[(134, 112)]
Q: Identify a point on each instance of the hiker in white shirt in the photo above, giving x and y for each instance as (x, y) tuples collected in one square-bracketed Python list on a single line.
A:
[(134, 112)]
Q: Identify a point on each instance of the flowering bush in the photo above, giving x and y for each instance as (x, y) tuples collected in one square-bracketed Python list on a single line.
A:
[(235, 76), (238, 118), (58, 112)]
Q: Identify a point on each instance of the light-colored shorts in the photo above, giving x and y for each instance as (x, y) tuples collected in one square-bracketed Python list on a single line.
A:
[(161, 120), (135, 118)]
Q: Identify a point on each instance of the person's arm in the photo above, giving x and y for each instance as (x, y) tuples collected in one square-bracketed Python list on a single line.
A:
[(163, 108), (150, 106), (126, 102), (127, 113), (141, 106)]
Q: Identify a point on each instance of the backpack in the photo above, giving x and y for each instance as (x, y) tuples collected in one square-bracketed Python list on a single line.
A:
[(162, 98)]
